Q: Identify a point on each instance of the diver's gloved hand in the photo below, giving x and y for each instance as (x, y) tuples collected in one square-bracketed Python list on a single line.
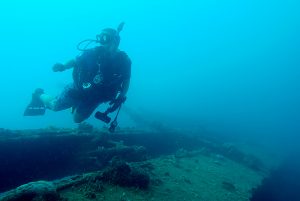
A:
[(115, 104), (58, 67), (118, 101)]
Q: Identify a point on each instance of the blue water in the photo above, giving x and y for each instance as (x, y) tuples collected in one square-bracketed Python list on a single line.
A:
[(228, 66)]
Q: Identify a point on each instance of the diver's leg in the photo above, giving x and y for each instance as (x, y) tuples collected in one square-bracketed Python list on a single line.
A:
[(64, 101), (41, 101), (84, 111), (49, 101)]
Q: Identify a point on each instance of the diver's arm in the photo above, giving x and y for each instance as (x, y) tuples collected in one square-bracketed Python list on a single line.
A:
[(125, 87), (120, 98), (58, 67), (70, 64)]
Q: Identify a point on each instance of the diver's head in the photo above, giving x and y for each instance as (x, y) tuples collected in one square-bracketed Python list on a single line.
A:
[(110, 38)]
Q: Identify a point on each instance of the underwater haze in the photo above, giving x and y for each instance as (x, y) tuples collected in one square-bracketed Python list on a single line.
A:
[(229, 66)]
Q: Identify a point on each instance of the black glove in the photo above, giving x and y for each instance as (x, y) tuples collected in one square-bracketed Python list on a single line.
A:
[(58, 67), (115, 104), (117, 101)]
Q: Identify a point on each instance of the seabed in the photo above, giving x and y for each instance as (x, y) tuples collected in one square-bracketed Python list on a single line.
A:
[(128, 165)]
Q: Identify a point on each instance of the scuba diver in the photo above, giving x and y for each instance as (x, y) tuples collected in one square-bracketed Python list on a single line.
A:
[(100, 74)]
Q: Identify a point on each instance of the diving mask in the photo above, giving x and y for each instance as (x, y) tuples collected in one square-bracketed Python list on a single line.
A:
[(109, 37)]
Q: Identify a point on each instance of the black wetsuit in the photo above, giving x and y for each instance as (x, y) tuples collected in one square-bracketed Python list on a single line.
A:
[(100, 74)]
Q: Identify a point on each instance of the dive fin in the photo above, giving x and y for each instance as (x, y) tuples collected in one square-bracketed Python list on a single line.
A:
[(36, 107)]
